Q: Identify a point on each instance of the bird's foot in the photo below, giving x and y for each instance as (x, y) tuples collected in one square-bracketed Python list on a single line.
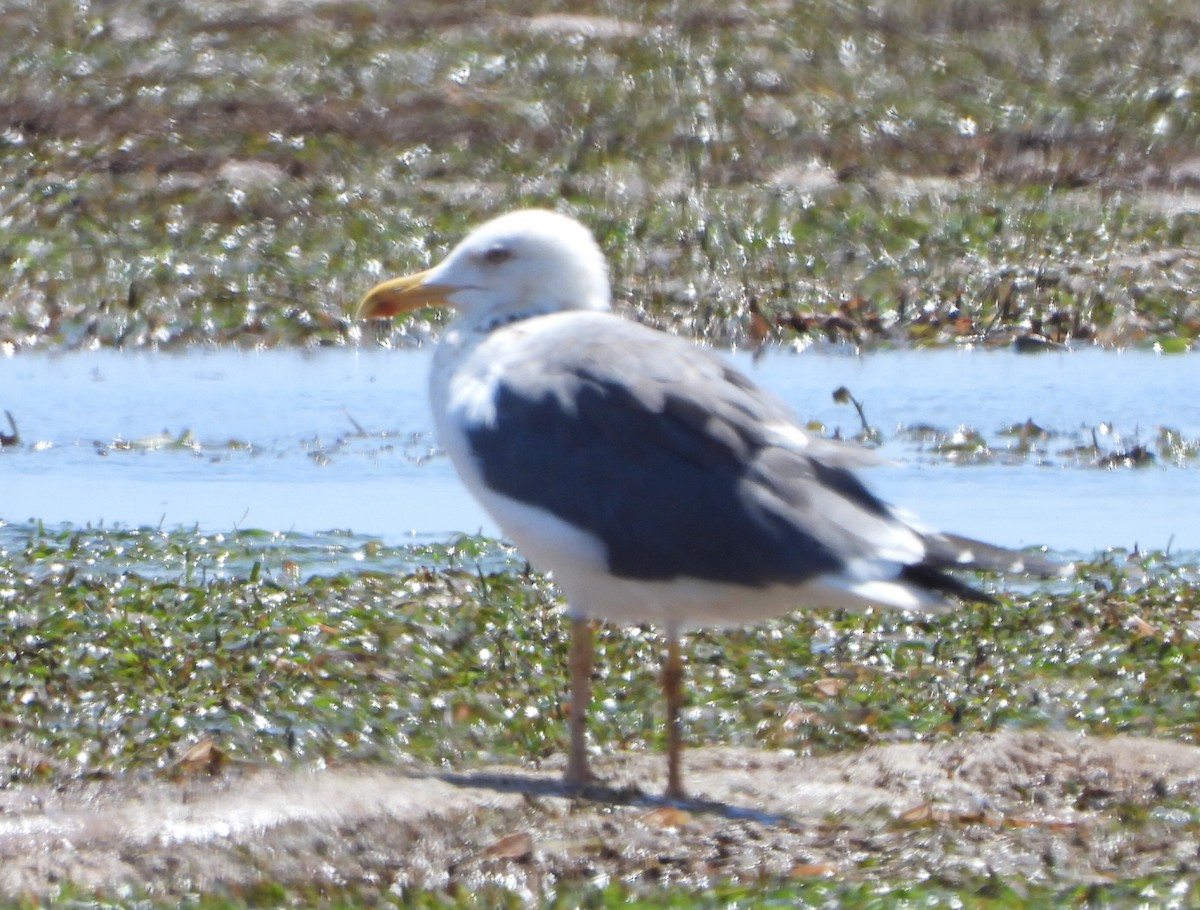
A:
[(577, 779), (675, 794)]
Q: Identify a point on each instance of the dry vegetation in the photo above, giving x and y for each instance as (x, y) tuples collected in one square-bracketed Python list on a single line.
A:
[(923, 171)]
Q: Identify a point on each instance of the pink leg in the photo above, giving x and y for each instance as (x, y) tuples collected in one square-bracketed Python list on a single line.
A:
[(673, 689), (581, 697)]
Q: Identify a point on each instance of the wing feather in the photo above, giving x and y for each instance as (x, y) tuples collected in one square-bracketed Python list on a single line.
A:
[(642, 439)]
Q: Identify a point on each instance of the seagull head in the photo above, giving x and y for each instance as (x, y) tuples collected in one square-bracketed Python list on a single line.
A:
[(525, 263)]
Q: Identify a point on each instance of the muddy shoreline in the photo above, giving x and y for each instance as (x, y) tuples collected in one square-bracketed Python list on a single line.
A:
[(1044, 806)]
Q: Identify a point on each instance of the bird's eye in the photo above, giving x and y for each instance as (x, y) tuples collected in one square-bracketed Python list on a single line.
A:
[(497, 255)]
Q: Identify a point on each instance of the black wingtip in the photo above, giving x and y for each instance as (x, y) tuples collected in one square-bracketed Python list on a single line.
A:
[(952, 551), (945, 553), (932, 578)]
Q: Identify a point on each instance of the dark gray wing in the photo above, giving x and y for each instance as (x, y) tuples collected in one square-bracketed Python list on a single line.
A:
[(672, 459)]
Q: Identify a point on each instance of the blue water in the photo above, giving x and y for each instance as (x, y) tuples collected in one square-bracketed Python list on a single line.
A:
[(340, 439)]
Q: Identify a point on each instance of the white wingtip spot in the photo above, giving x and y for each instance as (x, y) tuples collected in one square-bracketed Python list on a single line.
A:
[(898, 596)]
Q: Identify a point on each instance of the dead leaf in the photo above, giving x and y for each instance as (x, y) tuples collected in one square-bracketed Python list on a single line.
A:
[(666, 817), (829, 686), (812, 870), (203, 756), (516, 846), (979, 816), (924, 812), (799, 716), (1143, 629)]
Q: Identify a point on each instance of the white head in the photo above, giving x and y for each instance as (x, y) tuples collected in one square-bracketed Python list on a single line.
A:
[(525, 263)]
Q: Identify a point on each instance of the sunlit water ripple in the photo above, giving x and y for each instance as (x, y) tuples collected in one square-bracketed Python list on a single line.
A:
[(340, 439)]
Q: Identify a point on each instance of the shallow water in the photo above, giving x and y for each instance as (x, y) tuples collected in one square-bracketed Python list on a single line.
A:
[(341, 439)]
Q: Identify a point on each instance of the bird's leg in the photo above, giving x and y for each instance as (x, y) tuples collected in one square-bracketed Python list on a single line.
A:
[(673, 689), (581, 697)]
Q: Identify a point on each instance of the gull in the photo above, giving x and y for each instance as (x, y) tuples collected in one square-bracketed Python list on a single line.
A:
[(654, 481)]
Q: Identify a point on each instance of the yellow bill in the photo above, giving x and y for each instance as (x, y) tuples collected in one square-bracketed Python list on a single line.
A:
[(400, 295)]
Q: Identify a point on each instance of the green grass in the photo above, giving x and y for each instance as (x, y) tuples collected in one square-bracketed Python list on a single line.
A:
[(462, 660)]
